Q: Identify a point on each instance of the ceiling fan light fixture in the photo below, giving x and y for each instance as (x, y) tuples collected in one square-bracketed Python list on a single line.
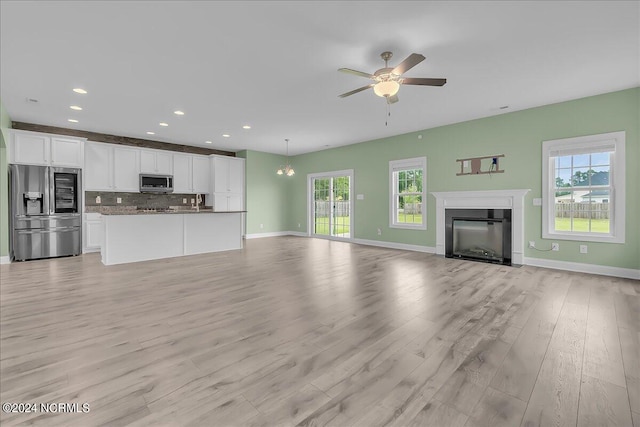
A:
[(386, 88)]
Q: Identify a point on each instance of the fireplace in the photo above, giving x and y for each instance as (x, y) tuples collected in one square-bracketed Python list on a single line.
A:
[(478, 235), (512, 200)]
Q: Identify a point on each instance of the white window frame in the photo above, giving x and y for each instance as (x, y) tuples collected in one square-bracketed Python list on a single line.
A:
[(616, 181), (397, 166)]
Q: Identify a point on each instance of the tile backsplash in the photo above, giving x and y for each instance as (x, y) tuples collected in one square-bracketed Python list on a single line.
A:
[(140, 200)]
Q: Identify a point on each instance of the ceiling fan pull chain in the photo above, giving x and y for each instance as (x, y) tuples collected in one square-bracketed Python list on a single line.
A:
[(386, 122)]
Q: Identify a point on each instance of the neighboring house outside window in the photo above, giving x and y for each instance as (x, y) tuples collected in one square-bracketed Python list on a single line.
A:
[(407, 191), (584, 188)]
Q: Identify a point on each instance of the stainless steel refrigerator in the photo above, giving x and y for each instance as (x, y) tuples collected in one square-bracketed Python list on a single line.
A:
[(46, 211)]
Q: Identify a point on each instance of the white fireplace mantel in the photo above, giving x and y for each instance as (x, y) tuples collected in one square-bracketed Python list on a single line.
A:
[(487, 199)]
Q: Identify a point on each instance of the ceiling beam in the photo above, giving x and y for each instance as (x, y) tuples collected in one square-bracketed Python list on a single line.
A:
[(122, 140)]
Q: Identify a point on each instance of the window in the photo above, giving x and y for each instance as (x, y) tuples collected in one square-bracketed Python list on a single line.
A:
[(583, 188), (407, 181)]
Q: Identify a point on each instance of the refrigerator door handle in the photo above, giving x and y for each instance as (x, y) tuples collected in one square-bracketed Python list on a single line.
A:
[(47, 193), (47, 231)]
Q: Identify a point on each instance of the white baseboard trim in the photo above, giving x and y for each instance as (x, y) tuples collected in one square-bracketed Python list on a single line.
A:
[(627, 273), (393, 245), (90, 250), (5, 260), (270, 234)]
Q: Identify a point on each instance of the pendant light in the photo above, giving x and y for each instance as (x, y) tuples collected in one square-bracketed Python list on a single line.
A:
[(287, 169)]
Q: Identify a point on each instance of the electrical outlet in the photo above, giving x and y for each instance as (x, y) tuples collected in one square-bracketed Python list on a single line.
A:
[(298, 225), (118, 199), (555, 247), (583, 249), (184, 200), (261, 225), (193, 201), (98, 200), (379, 232), (532, 244)]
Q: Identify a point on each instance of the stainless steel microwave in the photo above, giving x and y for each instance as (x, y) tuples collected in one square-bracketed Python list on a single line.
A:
[(156, 183)]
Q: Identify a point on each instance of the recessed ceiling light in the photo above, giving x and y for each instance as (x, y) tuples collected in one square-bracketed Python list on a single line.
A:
[(246, 127), (178, 113), (75, 107), (164, 124), (151, 133), (72, 120), (208, 142), (226, 135), (79, 90)]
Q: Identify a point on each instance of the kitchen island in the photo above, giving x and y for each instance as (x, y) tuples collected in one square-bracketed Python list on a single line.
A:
[(142, 236)]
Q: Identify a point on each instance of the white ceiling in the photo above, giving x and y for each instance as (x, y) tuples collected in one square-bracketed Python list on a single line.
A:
[(273, 65)]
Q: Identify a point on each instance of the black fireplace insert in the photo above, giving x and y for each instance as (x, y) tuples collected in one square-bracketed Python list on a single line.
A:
[(478, 234)]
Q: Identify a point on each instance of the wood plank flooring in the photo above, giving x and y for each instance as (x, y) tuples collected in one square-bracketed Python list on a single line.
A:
[(296, 331)]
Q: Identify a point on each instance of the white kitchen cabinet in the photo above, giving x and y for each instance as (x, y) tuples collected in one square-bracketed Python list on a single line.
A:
[(126, 172), (228, 183), (34, 148), (182, 173), (30, 148), (94, 232), (67, 152), (190, 174), (201, 174), (156, 162), (228, 174), (228, 202), (98, 171), (110, 167)]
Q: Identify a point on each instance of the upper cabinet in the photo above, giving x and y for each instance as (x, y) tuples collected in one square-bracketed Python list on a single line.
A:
[(33, 148), (201, 174), (156, 162), (228, 183), (111, 167), (228, 174), (191, 173)]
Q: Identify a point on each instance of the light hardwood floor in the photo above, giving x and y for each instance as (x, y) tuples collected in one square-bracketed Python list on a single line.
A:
[(297, 331)]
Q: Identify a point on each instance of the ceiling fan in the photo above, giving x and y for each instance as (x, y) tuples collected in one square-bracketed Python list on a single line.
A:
[(387, 81)]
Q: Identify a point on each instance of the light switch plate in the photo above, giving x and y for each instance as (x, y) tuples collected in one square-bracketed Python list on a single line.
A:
[(537, 201), (360, 196), (118, 199)]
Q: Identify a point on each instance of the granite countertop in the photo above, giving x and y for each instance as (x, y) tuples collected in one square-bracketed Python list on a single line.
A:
[(157, 212), (134, 210)]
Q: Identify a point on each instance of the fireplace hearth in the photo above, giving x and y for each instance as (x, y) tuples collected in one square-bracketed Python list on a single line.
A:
[(479, 235)]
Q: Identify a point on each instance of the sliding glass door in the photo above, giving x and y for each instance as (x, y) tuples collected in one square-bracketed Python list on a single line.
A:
[(331, 207)]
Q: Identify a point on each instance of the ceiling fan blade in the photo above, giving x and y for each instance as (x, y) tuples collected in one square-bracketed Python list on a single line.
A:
[(356, 72), (392, 99), (344, 95), (423, 81), (411, 61)]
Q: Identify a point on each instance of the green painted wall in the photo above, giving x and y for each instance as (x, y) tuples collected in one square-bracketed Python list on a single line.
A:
[(518, 136), (267, 199), (5, 123)]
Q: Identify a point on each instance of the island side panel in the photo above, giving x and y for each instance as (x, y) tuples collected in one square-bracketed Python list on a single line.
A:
[(132, 238), (212, 232)]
